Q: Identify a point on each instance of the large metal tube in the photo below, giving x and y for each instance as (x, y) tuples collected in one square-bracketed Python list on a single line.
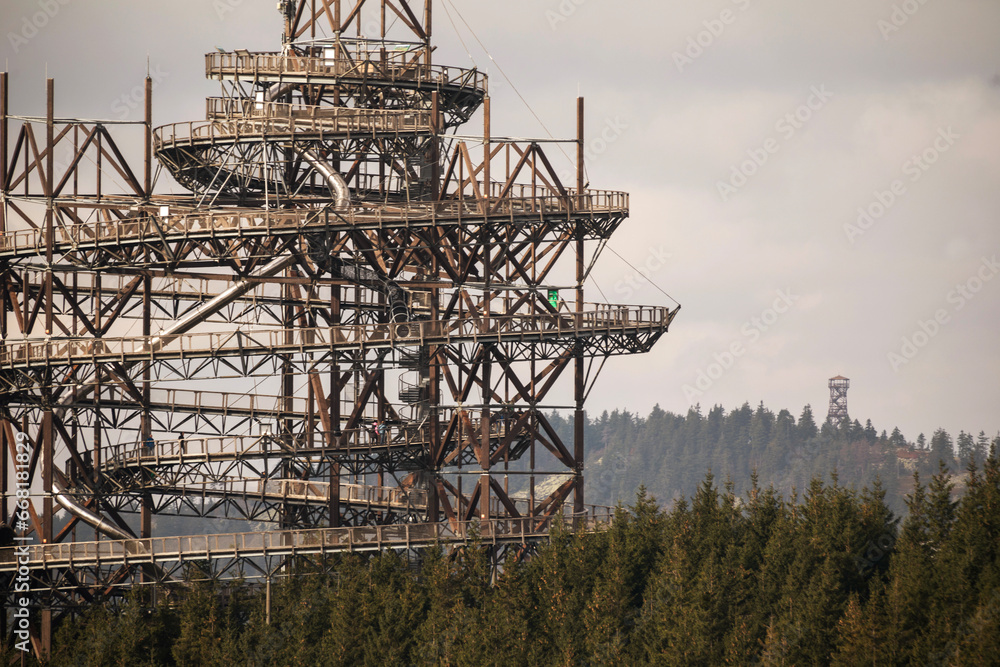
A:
[(180, 327), (198, 315), (277, 90), (399, 309), (336, 182), (85, 515), (202, 312)]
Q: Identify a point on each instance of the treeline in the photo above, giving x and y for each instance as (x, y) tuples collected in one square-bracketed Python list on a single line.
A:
[(830, 577), (669, 453)]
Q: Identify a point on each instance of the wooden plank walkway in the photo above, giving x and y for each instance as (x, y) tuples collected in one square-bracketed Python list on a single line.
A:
[(174, 222), (317, 541), (302, 69), (562, 328)]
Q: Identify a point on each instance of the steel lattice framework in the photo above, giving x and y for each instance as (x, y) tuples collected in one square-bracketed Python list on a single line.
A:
[(837, 413), (342, 257)]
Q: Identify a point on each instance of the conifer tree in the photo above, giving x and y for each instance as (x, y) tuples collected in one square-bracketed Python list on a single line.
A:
[(942, 450), (966, 449), (861, 634), (437, 635)]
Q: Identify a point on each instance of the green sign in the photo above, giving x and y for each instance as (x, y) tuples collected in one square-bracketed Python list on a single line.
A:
[(554, 298)]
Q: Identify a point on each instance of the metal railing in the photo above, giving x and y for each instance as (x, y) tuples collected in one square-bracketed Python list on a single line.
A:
[(347, 442), (601, 319), (289, 542), (298, 490), (276, 119), (232, 108), (263, 66), (149, 227)]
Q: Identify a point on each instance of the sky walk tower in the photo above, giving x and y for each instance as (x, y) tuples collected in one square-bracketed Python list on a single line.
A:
[(319, 311)]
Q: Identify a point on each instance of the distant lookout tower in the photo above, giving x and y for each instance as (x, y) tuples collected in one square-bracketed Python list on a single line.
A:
[(838, 399)]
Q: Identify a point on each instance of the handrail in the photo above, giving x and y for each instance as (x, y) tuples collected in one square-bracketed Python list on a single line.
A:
[(287, 542), (345, 442), (148, 226), (298, 490), (599, 319), (231, 108), (252, 126), (262, 66)]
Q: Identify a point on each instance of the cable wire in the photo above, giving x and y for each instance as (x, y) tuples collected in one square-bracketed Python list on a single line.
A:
[(608, 246), (506, 78), (459, 35)]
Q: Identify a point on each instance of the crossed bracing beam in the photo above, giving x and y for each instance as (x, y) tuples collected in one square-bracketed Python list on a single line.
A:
[(594, 332), (312, 19), (473, 242)]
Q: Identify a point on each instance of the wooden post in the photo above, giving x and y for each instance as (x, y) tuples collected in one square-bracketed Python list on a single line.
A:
[(578, 417), (4, 147), (486, 156), (267, 600), (146, 516), (334, 407), (47, 444), (435, 155), (484, 456), (428, 30), (4, 481), (148, 153)]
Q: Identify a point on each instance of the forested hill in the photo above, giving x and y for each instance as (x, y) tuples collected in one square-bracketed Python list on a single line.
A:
[(831, 579), (670, 453)]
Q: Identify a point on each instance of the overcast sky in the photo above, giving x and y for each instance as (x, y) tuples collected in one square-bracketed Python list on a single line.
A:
[(751, 135)]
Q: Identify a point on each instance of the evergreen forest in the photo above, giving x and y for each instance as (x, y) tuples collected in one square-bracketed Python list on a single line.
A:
[(830, 576), (746, 538)]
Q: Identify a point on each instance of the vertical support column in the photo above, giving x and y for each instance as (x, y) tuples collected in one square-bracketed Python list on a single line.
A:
[(287, 388), (148, 152), (433, 425), (487, 273), (146, 515), (487, 138), (287, 371), (288, 9), (98, 389), (484, 451), (99, 170), (47, 445), (578, 392), (428, 30), (312, 395), (5, 485), (4, 147), (48, 451), (5, 482), (333, 503), (435, 155), (334, 407), (534, 440), (74, 432), (335, 385), (340, 47), (49, 205), (267, 600)]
